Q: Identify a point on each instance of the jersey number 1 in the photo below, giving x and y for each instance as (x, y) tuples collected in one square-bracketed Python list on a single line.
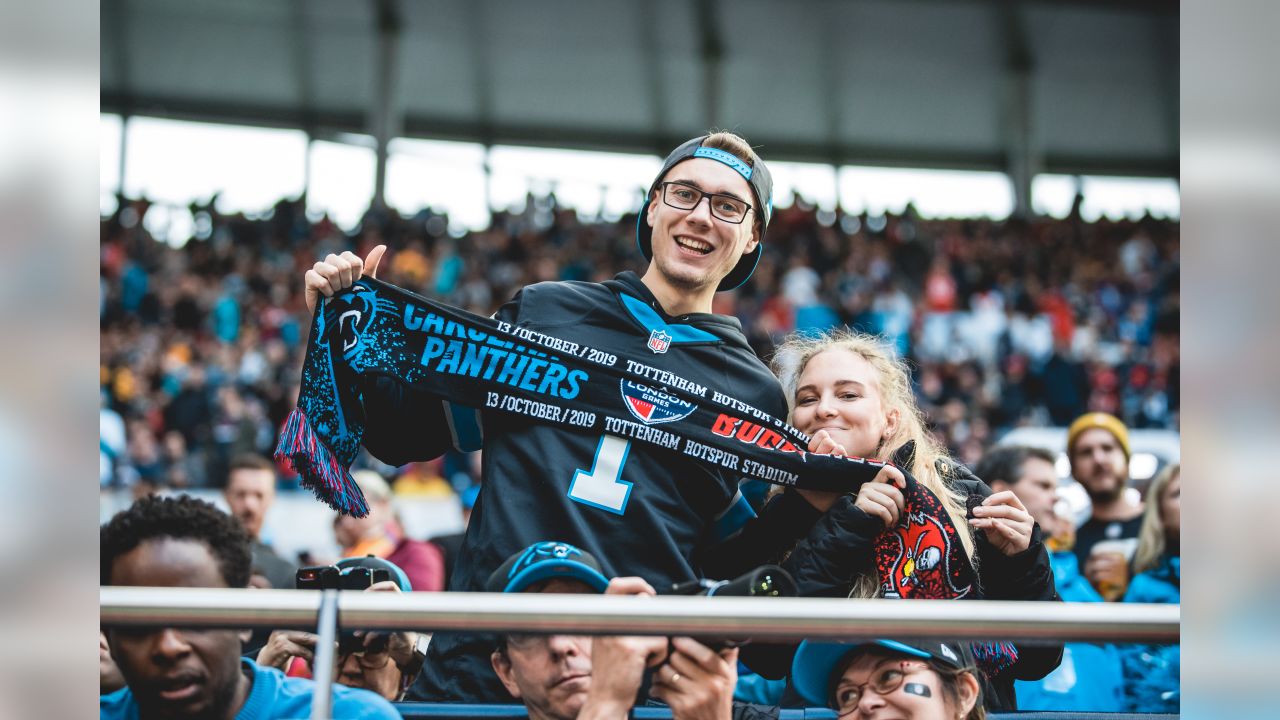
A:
[(603, 486)]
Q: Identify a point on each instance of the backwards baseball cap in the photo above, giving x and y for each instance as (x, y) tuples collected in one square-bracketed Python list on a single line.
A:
[(547, 561), (756, 175), (1088, 421), (815, 664), (377, 563)]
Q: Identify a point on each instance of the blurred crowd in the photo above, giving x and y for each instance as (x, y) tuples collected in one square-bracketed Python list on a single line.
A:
[(1007, 323)]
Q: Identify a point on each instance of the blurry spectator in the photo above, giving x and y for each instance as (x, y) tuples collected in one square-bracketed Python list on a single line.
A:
[(1089, 677), (234, 429), (1065, 385), (1098, 447), (890, 678), (172, 672), (384, 663), (451, 545), (1152, 672), (190, 411), (1029, 473), (109, 677), (181, 469), (423, 479), (380, 534), (250, 493), (112, 443), (1156, 563)]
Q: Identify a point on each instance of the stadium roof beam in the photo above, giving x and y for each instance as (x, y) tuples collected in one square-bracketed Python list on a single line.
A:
[(920, 84), (1021, 143), (115, 23), (482, 81), (482, 75), (1167, 46), (385, 118), (300, 45), (657, 98), (829, 31), (712, 54)]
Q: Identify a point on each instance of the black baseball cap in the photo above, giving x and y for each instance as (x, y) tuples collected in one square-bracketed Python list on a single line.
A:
[(757, 176), (545, 561), (815, 663)]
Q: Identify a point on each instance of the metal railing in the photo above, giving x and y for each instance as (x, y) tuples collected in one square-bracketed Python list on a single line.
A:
[(773, 619)]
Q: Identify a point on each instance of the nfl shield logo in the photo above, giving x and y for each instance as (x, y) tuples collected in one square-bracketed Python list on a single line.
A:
[(659, 341)]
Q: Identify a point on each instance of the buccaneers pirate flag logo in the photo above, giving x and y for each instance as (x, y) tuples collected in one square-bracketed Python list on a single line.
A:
[(922, 557)]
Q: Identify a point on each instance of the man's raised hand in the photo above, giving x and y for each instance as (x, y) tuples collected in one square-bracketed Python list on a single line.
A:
[(337, 272)]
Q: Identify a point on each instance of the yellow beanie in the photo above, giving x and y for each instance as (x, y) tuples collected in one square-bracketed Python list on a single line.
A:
[(1107, 422)]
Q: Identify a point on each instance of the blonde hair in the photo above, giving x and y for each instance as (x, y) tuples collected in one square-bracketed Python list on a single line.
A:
[(732, 143), (931, 464), (1151, 537)]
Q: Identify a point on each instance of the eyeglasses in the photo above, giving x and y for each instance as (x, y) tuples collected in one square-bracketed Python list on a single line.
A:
[(367, 660), (373, 657), (723, 207), (883, 681)]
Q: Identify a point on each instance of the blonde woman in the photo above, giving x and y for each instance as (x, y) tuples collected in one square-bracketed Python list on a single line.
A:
[(1152, 672), (852, 396), (1158, 540)]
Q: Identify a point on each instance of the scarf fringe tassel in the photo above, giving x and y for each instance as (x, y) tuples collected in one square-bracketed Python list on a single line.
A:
[(995, 657), (301, 449)]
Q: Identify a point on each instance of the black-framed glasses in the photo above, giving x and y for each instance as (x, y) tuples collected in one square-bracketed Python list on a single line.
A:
[(883, 681), (373, 656), (682, 196)]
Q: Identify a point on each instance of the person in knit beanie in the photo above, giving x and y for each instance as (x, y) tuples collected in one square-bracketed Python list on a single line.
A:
[(1098, 447)]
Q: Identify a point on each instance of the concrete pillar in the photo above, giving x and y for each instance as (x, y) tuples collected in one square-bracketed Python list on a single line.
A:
[(385, 117)]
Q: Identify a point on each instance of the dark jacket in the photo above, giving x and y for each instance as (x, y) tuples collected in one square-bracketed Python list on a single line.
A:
[(649, 511), (839, 549)]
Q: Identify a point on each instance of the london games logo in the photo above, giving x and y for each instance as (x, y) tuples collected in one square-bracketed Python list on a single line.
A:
[(653, 406)]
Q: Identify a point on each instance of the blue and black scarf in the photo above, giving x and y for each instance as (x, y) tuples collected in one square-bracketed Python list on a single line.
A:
[(478, 362)]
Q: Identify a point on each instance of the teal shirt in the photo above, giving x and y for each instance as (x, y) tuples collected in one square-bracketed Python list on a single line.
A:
[(273, 697)]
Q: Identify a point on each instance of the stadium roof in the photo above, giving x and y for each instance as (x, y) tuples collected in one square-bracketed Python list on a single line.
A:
[(1088, 86)]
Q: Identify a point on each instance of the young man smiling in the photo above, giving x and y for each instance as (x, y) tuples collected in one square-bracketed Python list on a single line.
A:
[(640, 510)]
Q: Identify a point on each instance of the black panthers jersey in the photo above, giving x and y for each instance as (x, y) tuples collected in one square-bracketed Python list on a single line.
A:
[(638, 508)]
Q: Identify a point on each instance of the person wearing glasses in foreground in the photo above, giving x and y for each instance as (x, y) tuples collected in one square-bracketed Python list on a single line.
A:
[(910, 680), (568, 677), (384, 663)]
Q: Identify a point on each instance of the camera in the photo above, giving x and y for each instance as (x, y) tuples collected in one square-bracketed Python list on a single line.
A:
[(331, 577), (348, 574), (764, 581)]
